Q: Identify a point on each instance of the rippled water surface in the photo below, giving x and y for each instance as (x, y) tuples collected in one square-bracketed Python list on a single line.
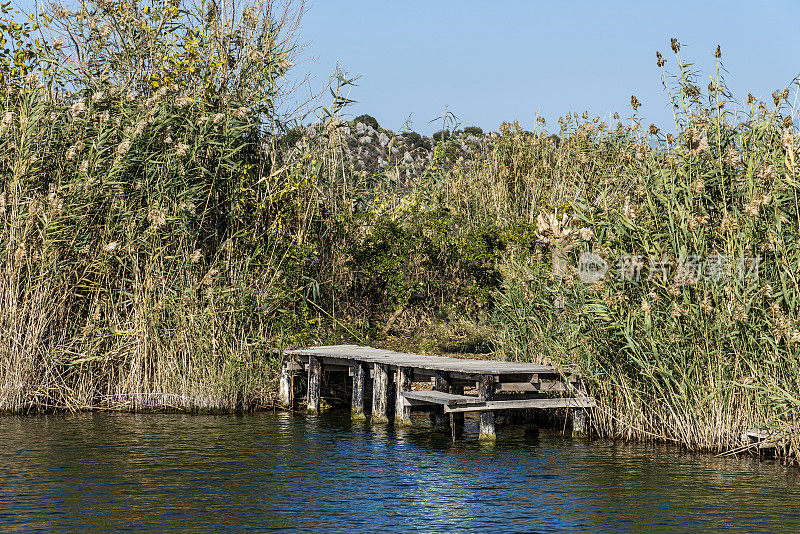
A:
[(278, 472)]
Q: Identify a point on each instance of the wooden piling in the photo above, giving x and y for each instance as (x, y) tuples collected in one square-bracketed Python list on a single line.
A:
[(440, 382), (285, 392), (402, 407), (578, 423), (314, 384), (380, 393), (532, 421), (485, 392), (360, 371), (457, 419)]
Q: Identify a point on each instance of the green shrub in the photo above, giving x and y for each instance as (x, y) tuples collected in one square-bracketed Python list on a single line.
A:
[(416, 140), (441, 135), (474, 130), (369, 120), (290, 138)]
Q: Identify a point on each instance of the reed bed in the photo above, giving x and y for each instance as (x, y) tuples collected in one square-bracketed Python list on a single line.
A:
[(162, 237), (702, 351), (132, 199)]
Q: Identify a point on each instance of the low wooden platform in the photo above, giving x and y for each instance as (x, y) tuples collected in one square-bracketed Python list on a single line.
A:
[(499, 385), (465, 403)]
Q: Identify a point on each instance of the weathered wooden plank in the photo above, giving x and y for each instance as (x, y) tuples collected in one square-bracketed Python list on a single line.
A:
[(418, 361), (440, 397), (360, 372), (531, 378), (503, 396), (314, 384), (294, 365), (485, 393), (402, 408), (565, 402), (465, 403), (332, 364), (543, 387), (380, 393)]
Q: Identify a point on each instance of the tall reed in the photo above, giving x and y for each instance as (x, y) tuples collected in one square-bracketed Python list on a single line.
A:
[(142, 211), (694, 360), (162, 235)]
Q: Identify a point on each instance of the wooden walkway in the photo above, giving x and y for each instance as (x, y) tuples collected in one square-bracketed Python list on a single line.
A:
[(499, 385)]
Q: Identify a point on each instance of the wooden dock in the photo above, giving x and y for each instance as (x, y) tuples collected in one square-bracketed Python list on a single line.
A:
[(498, 385)]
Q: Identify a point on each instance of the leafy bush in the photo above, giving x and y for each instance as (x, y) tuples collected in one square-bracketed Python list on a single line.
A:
[(441, 135), (290, 138), (416, 140), (369, 120), (474, 130)]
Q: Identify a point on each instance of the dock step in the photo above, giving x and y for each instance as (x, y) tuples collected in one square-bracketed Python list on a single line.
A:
[(464, 403)]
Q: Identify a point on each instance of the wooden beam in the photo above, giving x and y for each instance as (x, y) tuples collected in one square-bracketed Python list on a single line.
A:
[(465, 366), (294, 365), (466, 403), (565, 402), (314, 384), (402, 408), (536, 377), (360, 371), (440, 397), (485, 392), (544, 387), (380, 393), (335, 366)]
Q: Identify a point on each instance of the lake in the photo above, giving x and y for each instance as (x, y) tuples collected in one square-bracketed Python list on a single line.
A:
[(281, 472)]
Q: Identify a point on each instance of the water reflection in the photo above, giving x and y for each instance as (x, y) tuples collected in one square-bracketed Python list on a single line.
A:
[(101, 472)]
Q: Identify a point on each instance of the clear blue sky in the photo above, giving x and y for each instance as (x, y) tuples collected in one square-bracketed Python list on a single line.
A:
[(504, 60)]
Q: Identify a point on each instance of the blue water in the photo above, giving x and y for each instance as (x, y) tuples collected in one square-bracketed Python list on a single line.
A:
[(279, 472)]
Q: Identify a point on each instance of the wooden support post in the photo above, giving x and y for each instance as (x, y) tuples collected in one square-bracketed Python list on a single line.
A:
[(360, 371), (578, 422), (285, 392), (580, 425), (485, 392), (402, 407), (380, 393), (457, 419), (532, 422), (440, 382), (314, 383)]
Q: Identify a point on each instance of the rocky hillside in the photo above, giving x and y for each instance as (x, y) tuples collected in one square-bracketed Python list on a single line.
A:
[(370, 149)]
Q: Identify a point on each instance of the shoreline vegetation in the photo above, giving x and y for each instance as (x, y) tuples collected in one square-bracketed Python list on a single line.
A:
[(165, 227)]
